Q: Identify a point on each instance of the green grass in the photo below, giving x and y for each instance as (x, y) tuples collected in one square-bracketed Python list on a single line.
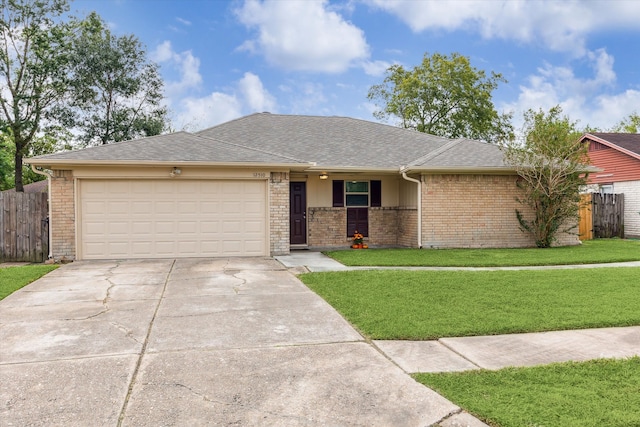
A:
[(592, 251), (422, 305), (590, 394), (14, 278)]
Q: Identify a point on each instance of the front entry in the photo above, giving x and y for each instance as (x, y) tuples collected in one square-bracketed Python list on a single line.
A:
[(298, 214)]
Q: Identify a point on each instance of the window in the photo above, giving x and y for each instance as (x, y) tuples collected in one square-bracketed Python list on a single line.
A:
[(357, 196), (606, 188), (357, 193)]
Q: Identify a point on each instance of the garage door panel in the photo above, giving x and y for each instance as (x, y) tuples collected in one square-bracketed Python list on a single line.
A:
[(164, 207), (121, 227), (172, 218), (165, 227), (253, 227)]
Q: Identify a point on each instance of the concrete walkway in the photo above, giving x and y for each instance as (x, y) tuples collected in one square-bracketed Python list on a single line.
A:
[(314, 261), (490, 352)]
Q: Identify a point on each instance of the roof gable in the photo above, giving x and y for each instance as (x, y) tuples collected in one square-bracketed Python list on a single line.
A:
[(628, 143)]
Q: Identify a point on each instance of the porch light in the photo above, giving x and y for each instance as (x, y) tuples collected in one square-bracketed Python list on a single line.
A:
[(324, 175)]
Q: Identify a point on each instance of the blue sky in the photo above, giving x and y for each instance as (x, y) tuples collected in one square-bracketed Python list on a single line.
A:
[(225, 59)]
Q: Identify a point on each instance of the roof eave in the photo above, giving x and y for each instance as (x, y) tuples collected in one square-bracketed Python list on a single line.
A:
[(492, 170), (59, 163), (350, 169)]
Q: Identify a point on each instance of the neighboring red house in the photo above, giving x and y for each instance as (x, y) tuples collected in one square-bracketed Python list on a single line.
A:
[(618, 155)]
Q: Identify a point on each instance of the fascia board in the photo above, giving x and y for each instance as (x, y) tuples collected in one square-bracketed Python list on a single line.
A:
[(59, 163)]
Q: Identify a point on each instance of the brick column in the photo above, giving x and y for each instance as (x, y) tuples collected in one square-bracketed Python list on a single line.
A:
[(63, 219), (279, 213)]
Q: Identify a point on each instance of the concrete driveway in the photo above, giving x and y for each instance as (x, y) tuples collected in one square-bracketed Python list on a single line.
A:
[(194, 342)]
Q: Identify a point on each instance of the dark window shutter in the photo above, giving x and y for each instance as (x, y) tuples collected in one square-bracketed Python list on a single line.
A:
[(376, 194), (358, 219), (338, 193)]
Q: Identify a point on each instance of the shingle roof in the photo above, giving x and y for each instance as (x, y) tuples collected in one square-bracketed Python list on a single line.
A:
[(174, 147), (342, 141), (627, 141), (328, 142)]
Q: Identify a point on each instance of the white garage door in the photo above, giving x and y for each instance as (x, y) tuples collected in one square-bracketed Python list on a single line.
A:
[(172, 218)]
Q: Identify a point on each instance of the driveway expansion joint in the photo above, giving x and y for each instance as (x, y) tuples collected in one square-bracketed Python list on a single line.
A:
[(453, 350), (136, 370)]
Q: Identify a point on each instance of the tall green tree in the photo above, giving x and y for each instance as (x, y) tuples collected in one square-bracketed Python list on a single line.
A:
[(117, 91), (629, 124), (552, 165), (444, 96), (34, 60)]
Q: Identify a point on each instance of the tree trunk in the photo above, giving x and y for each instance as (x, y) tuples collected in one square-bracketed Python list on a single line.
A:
[(18, 170)]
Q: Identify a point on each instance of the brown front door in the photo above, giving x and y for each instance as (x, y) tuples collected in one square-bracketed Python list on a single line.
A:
[(298, 216)]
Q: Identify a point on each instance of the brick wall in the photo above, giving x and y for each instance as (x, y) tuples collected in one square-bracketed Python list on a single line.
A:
[(631, 191), (474, 211), (279, 213), (388, 226), (62, 221), (327, 227), (383, 226), (408, 227)]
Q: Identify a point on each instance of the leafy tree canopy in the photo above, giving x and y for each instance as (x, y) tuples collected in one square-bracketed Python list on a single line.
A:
[(629, 124), (444, 96), (552, 165), (117, 91), (34, 59)]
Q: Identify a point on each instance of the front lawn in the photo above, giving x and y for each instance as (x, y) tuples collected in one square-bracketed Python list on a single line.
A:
[(590, 252), (14, 278), (425, 305), (589, 394)]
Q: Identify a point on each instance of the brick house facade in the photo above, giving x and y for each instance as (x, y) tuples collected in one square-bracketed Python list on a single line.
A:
[(226, 191)]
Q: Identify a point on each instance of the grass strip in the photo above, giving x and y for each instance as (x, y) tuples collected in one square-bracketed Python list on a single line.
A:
[(14, 278), (587, 394), (424, 305), (590, 252)]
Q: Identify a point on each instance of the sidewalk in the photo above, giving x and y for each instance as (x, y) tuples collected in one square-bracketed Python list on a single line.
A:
[(313, 261), (490, 352)]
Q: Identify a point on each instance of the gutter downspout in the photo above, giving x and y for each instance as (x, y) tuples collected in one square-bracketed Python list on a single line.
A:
[(404, 175), (48, 175)]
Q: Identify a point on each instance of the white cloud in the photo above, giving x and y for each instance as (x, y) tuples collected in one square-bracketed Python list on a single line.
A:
[(200, 113), (187, 66), (376, 68), (254, 93), (303, 35), (559, 25), (183, 21), (247, 96), (587, 99)]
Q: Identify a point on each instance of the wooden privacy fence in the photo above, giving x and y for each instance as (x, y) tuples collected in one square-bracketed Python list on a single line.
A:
[(25, 227), (601, 216), (585, 227)]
